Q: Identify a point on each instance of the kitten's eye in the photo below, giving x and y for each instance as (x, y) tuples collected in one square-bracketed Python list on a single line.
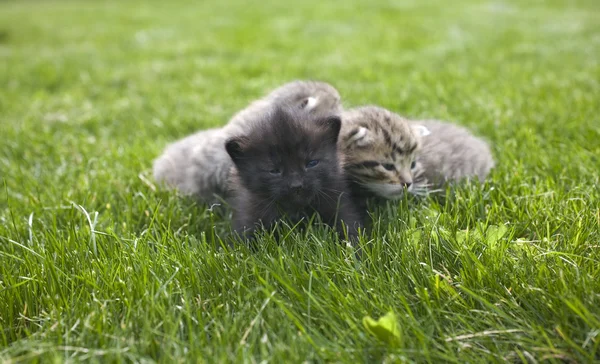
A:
[(389, 166), (275, 171), (370, 164), (413, 165), (312, 163)]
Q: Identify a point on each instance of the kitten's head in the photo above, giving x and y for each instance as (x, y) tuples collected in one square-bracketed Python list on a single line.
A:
[(379, 148), (289, 157), (312, 96), (324, 100)]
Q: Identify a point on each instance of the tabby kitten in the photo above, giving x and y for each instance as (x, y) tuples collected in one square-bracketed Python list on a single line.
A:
[(287, 166), (386, 155), (198, 165), (379, 149), (449, 153)]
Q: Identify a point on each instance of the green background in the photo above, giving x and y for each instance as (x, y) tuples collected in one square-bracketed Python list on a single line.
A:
[(97, 264)]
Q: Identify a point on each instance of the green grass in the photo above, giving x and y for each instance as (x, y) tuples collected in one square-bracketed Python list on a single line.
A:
[(96, 264)]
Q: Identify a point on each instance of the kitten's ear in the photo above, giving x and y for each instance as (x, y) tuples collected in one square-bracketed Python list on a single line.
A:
[(235, 147), (359, 136), (308, 103), (421, 130), (332, 126)]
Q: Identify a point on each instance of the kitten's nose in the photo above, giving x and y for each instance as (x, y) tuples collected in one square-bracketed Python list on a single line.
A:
[(296, 186), (407, 184)]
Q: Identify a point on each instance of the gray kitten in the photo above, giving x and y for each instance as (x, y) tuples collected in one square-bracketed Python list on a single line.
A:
[(449, 153), (199, 165)]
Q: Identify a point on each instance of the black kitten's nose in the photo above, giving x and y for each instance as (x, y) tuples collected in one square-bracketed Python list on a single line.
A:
[(296, 186)]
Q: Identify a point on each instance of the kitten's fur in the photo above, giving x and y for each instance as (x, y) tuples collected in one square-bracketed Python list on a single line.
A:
[(386, 154), (379, 149), (287, 165), (198, 165), (376, 145), (449, 153)]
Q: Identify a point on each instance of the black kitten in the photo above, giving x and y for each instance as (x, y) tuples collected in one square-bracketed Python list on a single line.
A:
[(287, 166)]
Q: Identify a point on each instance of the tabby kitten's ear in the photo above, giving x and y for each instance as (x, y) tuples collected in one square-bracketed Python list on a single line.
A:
[(360, 136), (331, 127), (236, 148), (420, 130)]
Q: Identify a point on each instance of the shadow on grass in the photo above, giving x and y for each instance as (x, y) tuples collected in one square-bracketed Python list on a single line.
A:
[(4, 36)]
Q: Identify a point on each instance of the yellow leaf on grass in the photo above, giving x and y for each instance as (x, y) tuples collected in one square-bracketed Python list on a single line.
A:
[(385, 329)]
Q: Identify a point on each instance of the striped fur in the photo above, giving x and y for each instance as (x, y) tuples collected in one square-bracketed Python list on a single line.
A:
[(387, 154), (379, 148)]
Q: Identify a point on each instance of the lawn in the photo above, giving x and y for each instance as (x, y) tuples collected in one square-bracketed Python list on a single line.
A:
[(97, 263)]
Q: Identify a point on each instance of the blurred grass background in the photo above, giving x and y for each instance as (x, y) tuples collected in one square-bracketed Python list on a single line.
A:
[(96, 264)]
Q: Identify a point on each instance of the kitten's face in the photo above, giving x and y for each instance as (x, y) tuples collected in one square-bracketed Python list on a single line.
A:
[(381, 154), (289, 162)]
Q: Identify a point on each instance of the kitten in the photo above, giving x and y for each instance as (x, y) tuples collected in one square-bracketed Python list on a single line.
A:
[(313, 96), (387, 155), (379, 149), (449, 153), (287, 165), (199, 166)]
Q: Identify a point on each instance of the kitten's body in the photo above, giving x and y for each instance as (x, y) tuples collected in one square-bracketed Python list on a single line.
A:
[(195, 165), (287, 166), (312, 96), (386, 155), (449, 153), (198, 165)]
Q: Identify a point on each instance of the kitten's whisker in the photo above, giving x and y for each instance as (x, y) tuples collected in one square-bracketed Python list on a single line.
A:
[(332, 190), (326, 196), (419, 192), (262, 206), (363, 184), (267, 206), (318, 196)]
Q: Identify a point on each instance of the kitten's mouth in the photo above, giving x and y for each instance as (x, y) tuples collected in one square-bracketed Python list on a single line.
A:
[(388, 191), (395, 195), (297, 199)]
